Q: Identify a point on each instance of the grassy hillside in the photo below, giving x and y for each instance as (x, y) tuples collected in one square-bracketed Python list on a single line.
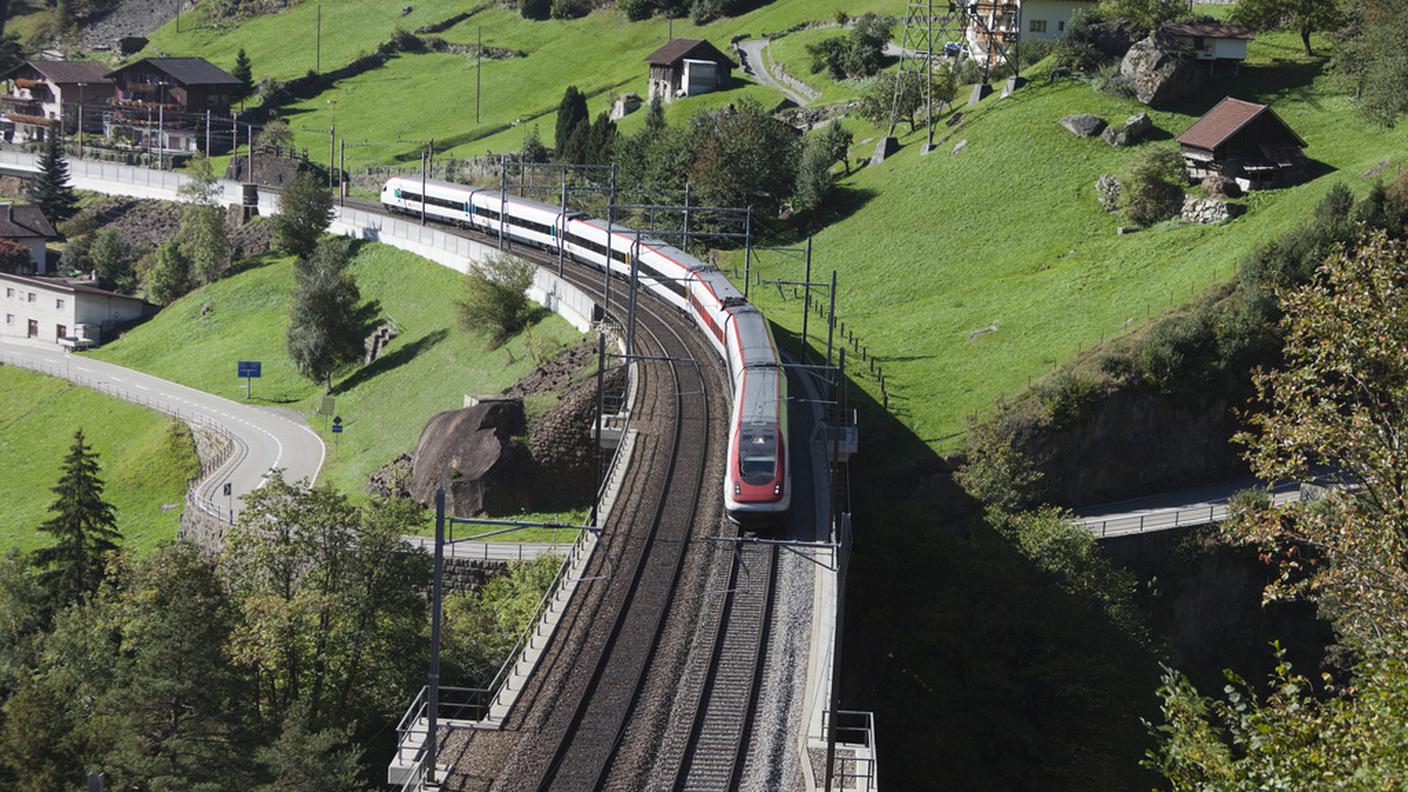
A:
[(146, 458), (427, 369), (390, 112), (1008, 234)]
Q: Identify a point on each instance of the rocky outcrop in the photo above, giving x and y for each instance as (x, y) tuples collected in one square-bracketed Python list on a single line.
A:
[(563, 447), (1130, 132), (1107, 191), (1135, 442), (813, 116), (1207, 210), (472, 454), (1083, 124), (1159, 76), (392, 480)]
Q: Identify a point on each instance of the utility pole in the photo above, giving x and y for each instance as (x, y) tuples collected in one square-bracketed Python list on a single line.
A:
[(831, 318), (422, 187), (252, 180), (318, 47), (342, 174), (161, 126), (432, 741), (332, 152), (80, 119), (478, 69), (207, 132), (806, 303)]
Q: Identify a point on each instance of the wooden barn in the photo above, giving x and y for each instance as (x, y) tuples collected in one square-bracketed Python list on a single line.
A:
[(686, 67), (1246, 142)]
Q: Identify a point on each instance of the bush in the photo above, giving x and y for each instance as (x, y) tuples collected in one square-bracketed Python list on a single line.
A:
[(1180, 353), (570, 9), (535, 9), (75, 257), (996, 471), (1068, 398), (1036, 50), (702, 12), (14, 257), (1077, 49), (636, 10), (495, 298), (1117, 365), (1153, 190), (1252, 499)]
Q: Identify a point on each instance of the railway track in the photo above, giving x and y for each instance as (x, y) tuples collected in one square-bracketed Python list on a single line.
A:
[(720, 735), (597, 680)]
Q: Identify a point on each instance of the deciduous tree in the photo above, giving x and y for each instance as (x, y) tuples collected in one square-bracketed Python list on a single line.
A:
[(1340, 403), (170, 279), (325, 330), (14, 257), (1302, 16), (305, 212), (495, 297)]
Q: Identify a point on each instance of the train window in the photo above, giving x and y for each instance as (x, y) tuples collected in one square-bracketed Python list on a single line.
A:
[(757, 455)]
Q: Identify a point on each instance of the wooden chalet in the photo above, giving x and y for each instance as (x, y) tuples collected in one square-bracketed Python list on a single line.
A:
[(41, 93), (1246, 142), (162, 102), (686, 67)]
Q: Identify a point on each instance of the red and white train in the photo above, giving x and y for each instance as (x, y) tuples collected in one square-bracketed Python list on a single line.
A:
[(756, 482)]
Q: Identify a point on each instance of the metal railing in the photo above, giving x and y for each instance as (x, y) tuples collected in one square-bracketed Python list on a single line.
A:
[(1167, 519), (454, 703), (859, 769), (499, 686)]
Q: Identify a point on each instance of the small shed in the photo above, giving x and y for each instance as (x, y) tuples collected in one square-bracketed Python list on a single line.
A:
[(686, 67), (28, 226), (1215, 42), (1246, 142)]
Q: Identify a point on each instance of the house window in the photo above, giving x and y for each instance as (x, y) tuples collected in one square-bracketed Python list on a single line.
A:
[(31, 297), (9, 318), (10, 293), (1038, 26), (1061, 26), (59, 303)]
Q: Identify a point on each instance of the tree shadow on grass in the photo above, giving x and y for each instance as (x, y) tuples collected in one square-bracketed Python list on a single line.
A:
[(392, 360), (983, 670)]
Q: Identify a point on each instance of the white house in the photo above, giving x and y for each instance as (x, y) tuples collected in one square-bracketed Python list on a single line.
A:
[(52, 309), (40, 90), (1208, 41), (1011, 22), (28, 226)]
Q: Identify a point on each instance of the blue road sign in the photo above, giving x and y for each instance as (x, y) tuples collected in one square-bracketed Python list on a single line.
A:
[(249, 368), (337, 428)]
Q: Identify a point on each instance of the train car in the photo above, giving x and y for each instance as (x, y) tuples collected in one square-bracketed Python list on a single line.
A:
[(757, 484)]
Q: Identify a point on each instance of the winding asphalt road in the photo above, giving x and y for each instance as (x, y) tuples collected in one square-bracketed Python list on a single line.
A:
[(754, 63), (265, 439)]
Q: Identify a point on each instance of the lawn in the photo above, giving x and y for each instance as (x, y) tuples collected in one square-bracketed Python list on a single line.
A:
[(1007, 234), (428, 368), (791, 51), (387, 114), (146, 458)]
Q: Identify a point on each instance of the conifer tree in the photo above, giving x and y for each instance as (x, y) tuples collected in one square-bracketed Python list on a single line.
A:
[(84, 526), (244, 72), (50, 190)]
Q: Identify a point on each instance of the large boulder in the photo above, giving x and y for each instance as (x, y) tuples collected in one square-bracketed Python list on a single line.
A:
[(1218, 186), (1083, 124), (1114, 38), (1159, 76), (472, 454), (1130, 132)]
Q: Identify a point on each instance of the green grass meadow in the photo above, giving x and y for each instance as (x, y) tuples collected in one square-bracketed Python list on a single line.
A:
[(1007, 234), (428, 368), (146, 458)]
